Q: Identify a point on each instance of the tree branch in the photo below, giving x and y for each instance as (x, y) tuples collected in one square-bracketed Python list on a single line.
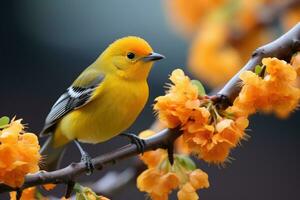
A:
[(282, 48), (69, 173)]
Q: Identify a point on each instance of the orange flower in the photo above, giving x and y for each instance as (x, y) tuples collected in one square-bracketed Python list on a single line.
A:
[(158, 184), (161, 177), (213, 143), (197, 180), (187, 192), (206, 130), (228, 134), (180, 102), (19, 154), (274, 92), (160, 180), (27, 194), (231, 131)]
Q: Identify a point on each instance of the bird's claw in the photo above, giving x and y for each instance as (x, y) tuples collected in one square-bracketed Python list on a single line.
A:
[(86, 158), (89, 166), (134, 139)]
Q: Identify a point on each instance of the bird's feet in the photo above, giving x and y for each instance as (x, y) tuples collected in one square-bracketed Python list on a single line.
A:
[(86, 158), (89, 166), (134, 139)]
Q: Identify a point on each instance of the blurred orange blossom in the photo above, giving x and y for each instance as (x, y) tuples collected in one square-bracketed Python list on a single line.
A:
[(19, 154)]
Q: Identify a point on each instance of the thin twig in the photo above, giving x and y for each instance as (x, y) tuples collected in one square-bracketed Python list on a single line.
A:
[(69, 173)]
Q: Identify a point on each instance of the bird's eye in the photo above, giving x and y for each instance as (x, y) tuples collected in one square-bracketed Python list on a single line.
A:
[(130, 55)]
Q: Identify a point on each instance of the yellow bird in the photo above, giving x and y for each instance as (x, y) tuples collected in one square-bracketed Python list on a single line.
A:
[(102, 102)]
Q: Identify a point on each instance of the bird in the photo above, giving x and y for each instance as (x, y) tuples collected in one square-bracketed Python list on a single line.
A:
[(103, 102)]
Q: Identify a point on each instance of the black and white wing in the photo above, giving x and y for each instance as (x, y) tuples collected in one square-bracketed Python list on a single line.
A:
[(74, 98)]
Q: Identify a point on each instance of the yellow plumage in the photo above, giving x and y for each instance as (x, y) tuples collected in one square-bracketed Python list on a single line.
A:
[(116, 101), (115, 106)]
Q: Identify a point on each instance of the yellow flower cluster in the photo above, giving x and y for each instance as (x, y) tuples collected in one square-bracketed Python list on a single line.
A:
[(274, 91), (209, 133), (19, 154), (161, 177), (179, 101), (213, 142)]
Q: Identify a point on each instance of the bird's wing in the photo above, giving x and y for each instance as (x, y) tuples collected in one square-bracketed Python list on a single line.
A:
[(76, 96)]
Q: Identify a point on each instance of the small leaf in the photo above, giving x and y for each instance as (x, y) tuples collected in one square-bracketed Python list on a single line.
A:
[(85, 193), (165, 165), (201, 90), (258, 69), (186, 162), (4, 121), (78, 187)]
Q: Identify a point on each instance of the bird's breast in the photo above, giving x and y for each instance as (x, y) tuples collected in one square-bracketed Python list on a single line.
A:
[(114, 107)]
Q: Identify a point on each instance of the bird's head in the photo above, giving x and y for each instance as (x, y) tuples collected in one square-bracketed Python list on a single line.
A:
[(130, 57)]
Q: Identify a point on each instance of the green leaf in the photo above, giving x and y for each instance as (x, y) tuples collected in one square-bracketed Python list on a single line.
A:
[(258, 69), (84, 193), (185, 161), (4, 121), (78, 187), (201, 89), (165, 165)]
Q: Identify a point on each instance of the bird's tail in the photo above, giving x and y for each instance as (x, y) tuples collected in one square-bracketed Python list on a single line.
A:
[(51, 155)]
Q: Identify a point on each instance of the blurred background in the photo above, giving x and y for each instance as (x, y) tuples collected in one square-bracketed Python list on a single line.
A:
[(44, 45)]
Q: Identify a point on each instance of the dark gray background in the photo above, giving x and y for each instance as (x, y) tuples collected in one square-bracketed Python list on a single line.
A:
[(44, 45)]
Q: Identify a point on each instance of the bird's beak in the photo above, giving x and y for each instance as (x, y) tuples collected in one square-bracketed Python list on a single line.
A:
[(153, 57)]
